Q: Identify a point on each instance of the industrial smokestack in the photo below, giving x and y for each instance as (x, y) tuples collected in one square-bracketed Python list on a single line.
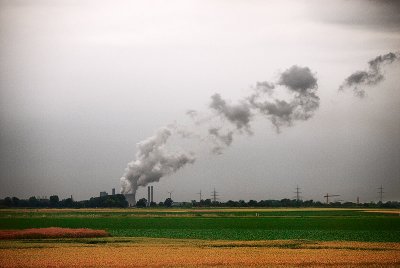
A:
[(113, 191), (148, 196), (151, 197)]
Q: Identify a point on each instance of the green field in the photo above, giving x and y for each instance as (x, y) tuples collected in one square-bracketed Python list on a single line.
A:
[(226, 224)]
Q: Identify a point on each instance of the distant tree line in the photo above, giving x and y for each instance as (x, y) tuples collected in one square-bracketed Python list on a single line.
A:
[(293, 203), (54, 202), (120, 201)]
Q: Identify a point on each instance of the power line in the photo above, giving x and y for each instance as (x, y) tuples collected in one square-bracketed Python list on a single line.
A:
[(199, 193), (298, 197), (381, 192), (214, 195)]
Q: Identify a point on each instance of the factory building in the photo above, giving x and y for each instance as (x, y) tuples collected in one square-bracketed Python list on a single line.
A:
[(103, 194)]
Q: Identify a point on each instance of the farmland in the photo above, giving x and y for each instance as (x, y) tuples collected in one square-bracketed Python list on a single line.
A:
[(228, 224), (243, 236)]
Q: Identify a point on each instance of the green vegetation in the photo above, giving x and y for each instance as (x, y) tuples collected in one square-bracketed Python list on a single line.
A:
[(115, 201), (229, 224), (119, 201)]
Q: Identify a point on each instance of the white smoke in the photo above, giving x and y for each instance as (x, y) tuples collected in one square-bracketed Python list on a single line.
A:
[(153, 162), (238, 114), (293, 97)]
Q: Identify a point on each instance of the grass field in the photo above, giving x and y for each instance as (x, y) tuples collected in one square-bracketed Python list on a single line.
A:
[(212, 224), (206, 237)]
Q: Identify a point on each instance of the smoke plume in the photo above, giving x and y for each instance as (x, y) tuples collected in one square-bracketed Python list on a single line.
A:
[(292, 97), (300, 84), (238, 114), (153, 162), (298, 79), (372, 76)]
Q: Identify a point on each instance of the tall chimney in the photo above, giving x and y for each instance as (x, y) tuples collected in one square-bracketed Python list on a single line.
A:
[(151, 194), (148, 196)]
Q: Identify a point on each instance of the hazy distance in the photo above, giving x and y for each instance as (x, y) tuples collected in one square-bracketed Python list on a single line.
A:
[(82, 82)]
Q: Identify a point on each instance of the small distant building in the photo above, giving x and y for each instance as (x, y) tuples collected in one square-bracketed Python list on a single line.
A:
[(103, 194), (113, 191)]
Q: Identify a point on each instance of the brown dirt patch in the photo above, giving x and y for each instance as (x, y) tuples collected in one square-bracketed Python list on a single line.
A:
[(52, 232), (139, 252)]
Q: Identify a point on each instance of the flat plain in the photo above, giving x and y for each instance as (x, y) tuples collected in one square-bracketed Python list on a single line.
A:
[(206, 237)]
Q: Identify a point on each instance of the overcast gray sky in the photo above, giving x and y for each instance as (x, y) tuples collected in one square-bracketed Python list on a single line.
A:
[(82, 82)]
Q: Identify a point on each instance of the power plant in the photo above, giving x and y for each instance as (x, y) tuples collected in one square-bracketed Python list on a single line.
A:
[(131, 198)]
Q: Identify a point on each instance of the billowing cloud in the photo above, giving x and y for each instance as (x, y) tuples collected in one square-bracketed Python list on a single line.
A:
[(153, 162), (359, 79), (298, 79), (301, 84), (238, 114)]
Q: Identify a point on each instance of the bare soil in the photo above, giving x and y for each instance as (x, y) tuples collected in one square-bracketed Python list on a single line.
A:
[(140, 252)]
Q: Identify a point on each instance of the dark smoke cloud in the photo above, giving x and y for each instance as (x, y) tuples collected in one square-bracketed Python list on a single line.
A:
[(298, 79), (239, 114), (302, 85), (372, 76), (153, 162)]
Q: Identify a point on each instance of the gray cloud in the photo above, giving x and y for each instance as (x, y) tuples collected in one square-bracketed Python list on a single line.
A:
[(238, 114), (302, 86), (372, 76), (153, 162), (298, 79)]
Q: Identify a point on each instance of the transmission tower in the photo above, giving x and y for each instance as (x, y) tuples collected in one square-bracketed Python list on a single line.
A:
[(214, 195), (199, 193), (381, 192), (298, 197), (327, 196)]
